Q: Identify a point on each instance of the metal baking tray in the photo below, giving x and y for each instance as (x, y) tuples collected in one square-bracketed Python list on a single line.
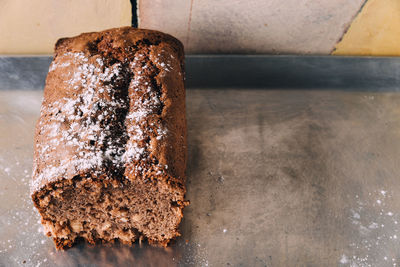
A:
[(293, 161)]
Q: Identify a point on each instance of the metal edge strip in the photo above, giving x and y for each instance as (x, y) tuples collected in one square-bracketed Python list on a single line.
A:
[(243, 71)]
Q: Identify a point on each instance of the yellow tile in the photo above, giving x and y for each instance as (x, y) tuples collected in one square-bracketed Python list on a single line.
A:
[(32, 27), (375, 31)]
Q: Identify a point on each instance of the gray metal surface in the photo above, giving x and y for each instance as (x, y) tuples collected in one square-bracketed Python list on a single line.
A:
[(275, 178), (306, 176), (24, 73), (244, 71)]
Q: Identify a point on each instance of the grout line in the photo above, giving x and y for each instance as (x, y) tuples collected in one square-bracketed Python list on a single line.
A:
[(135, 7), (348, 26), (189, 22)]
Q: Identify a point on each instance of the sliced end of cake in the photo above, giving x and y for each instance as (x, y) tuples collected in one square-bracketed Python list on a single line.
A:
[(107, 210)]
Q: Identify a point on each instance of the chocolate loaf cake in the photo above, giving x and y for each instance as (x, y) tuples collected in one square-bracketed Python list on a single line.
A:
[(110, 143)]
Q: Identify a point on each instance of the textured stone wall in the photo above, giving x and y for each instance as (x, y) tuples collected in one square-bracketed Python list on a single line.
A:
[(253, 26), (340, 27), (318, 27)]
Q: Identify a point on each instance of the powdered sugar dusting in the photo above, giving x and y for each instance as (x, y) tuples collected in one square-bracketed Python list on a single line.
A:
[(145, 105), (377, 231), (80, 125), (77, 124)]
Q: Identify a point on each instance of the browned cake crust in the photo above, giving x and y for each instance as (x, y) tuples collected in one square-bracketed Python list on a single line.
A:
[(110, 144)]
